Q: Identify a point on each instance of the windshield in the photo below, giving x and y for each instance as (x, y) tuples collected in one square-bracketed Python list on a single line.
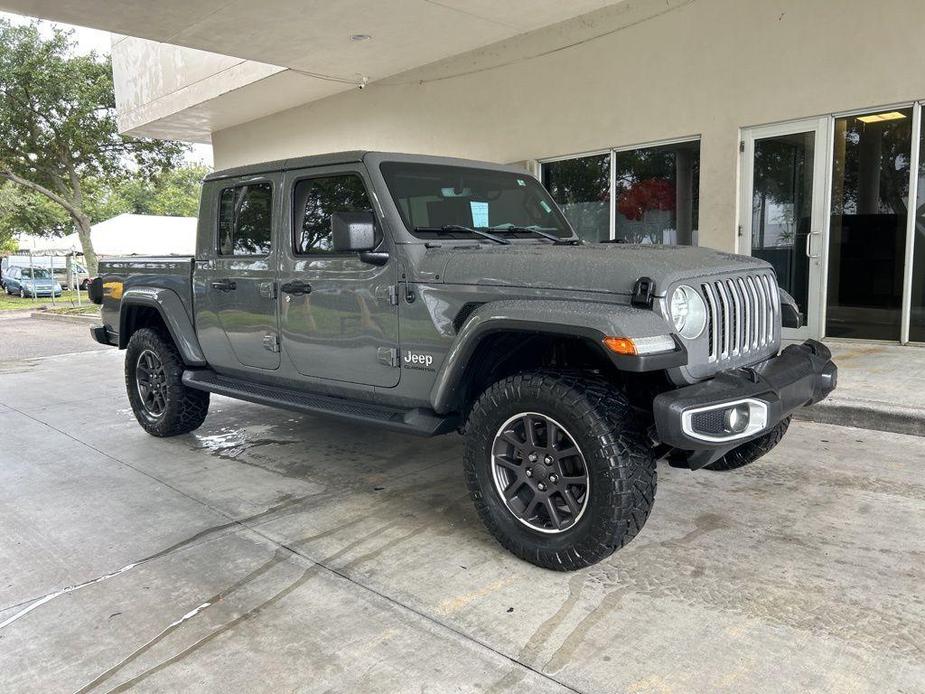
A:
[(430, 197), (35, 273)]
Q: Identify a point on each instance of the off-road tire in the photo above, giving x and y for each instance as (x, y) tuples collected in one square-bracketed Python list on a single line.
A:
[(750, 452), (186, 408), (618, 459)]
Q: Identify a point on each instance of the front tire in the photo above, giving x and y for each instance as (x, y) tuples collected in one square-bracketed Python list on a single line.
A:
[(559, 468), (153, 380), (751, 451)]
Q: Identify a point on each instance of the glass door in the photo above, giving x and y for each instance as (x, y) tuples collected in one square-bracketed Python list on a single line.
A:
[(868, 229), (782, 218)]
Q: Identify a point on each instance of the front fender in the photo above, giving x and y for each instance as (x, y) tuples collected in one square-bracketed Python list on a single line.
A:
[(593, 321), (170, 307)]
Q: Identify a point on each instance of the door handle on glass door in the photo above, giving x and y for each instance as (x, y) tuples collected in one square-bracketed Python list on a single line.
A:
[(809, 244)]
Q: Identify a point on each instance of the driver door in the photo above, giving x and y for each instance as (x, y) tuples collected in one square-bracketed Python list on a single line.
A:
[(338, 314)]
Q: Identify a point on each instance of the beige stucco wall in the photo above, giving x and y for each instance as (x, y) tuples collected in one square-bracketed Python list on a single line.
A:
[(701, 67)]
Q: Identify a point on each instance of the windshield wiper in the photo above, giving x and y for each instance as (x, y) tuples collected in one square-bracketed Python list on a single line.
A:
[(539, 231), (449, 228)]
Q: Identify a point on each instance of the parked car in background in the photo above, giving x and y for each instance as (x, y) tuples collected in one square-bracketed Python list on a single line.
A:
[(31, 282), (47, 262)]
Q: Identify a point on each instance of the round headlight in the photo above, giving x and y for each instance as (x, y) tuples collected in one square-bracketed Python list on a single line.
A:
[(688, 312)]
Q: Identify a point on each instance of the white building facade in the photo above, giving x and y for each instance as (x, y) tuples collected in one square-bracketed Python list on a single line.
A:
[(786, 129)]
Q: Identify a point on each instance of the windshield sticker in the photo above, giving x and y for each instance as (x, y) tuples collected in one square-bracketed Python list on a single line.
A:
[(545, 206), (522, 183), (479, 213)]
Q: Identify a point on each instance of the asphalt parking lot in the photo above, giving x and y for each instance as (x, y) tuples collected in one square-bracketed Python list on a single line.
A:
[(277, 551)]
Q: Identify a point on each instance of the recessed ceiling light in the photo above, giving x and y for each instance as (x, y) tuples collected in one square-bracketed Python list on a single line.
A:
[(360, 37), (878, 117)]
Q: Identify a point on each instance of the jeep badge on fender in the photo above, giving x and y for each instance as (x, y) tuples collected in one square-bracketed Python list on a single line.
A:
[(421, 360), (570, 367)]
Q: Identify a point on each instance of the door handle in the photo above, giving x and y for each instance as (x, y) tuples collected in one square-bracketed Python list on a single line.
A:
[(224, 285), (809, 244), (296, 287)]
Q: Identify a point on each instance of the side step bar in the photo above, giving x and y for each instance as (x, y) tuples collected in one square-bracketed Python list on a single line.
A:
[(419, 421)]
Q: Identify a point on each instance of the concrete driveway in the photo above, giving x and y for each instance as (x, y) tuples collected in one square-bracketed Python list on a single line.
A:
[(271, 551)]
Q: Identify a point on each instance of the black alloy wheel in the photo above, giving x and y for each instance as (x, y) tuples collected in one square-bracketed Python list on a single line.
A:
[(540, 473), (151, 380)]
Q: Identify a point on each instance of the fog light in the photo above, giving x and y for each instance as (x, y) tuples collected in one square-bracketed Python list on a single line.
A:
[(735, 419)]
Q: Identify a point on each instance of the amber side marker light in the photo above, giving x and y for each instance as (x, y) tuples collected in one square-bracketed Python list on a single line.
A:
[(620, 345), (640, 345)]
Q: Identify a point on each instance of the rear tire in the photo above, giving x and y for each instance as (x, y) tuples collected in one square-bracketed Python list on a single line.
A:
[(595, 435), (153, 380), (751, 451)]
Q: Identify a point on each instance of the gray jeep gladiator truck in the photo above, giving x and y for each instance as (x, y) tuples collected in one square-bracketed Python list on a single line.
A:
[(431, 295)]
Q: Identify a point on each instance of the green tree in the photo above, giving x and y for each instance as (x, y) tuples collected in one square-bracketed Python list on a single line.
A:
[(58, 126), (172, 193), (23, 210)]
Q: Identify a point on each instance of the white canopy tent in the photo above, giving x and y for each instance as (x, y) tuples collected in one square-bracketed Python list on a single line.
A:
[(125, 234)]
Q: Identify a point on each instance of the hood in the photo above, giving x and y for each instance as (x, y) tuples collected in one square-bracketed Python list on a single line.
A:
[(606, 267)]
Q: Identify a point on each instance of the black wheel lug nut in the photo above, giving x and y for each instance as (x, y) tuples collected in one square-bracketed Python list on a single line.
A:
[(529, 473), (548, 460), (541, 487)]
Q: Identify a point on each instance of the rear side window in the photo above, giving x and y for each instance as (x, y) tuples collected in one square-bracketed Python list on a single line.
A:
[(315, 200), (245, 220)]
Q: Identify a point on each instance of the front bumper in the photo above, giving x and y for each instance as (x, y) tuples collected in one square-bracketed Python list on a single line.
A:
[(691, 418)]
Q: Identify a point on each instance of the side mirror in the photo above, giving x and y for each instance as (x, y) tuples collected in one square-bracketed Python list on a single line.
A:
[(353, 231)]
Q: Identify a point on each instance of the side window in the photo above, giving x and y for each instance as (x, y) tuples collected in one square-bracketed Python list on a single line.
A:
[(315, 200), (245, 220)]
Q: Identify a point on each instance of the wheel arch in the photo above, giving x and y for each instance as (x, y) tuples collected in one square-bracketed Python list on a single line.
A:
[(144, 307), (502, 337)]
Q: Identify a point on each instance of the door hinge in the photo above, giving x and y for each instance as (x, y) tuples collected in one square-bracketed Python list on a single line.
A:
[(741, 145), (388, 356), (740, 230), (271, 342)]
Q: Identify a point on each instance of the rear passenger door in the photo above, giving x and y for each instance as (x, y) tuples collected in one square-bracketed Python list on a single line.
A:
[(338, 314), (235, 285)]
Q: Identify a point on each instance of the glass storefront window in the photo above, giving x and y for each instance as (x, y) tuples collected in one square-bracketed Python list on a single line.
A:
[(657, 196), (870, 191), (917, 315), (581, 186)]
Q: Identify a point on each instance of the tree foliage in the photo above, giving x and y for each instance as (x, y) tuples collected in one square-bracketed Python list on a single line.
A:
[(58, 126)]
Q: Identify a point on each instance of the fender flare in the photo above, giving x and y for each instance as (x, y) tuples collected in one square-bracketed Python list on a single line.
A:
[(172, 311), (593, 321)]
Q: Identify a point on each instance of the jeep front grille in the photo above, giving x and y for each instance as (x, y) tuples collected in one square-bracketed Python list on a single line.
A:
[(742, 314)]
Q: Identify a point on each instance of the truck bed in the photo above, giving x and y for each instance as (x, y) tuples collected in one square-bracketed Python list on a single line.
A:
[(160, 272)]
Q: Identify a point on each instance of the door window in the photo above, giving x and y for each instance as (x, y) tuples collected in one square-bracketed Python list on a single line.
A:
[(315, 200), (870, 192), (245, 220)]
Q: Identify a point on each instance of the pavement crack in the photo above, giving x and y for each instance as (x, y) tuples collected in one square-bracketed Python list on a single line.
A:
[(542, 634), (191, 541), (173, 626)]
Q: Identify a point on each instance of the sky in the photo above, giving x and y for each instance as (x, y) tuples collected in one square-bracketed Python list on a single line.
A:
[(95, 40)]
